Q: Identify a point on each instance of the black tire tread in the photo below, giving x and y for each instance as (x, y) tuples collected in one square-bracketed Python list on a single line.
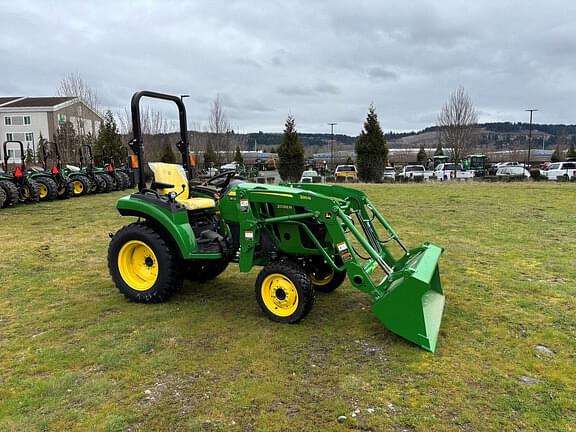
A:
[(51, 185), (145, 232), (298, 276), (12, 195)]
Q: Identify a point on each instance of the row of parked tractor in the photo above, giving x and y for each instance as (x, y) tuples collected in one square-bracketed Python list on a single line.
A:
[(22, 184)]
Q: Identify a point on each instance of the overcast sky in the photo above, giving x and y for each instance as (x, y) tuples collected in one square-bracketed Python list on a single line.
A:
[(322, 61)]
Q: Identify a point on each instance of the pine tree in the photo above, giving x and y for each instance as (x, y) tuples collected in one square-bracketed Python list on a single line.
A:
[(439, 151), (30, 160), (421, 156), (109, 143), (238, 156), (371, 150), (349, 161), (571, 151), (557, 155), (168, 155), (290, 153), (210, 157)]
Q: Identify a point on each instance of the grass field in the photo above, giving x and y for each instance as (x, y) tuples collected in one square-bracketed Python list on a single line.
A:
[(75, 355)]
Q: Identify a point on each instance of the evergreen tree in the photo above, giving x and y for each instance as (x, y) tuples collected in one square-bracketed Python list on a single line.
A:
[(439, 151), (210, 157), (168, 155), (349, 161), (238, 156), (557, 155), (30, 159), (421, 156), (371, 150), (42, 151), (571, 151), (109, 143), (290, 153)]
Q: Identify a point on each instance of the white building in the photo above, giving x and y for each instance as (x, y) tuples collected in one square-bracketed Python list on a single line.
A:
[(26, 118)]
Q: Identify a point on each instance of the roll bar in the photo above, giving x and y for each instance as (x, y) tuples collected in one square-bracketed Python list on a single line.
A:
[(6, 157), (137, 142)]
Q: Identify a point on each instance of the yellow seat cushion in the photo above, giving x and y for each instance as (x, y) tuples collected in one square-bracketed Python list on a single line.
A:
[(175, 175), (197, 203)]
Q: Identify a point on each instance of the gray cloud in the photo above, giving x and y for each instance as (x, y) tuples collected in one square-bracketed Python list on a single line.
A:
[(321, 63)]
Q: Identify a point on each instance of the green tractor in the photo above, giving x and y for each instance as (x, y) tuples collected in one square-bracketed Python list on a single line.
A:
[(64, 185), (306, 238), (100, 180), (24, 188), (120, 176)]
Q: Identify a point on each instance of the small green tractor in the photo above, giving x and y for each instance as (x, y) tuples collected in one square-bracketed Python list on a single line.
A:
[(64, 185), (305, 237), (100, 180), (24, 188)]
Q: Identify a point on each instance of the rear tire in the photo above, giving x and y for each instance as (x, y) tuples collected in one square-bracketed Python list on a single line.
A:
[(2, 197), (125, 179), (284, 292), (81, 185), (47, 188), (11, 191), (108, 183), (143, 266)]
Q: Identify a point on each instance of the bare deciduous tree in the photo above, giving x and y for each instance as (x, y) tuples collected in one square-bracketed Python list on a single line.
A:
[(74, 85), (457, 122), (219, 129)]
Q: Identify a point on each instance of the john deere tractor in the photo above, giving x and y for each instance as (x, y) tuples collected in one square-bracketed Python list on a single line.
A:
[(305, 237), (64, 185), (101, 182), (26, 187)]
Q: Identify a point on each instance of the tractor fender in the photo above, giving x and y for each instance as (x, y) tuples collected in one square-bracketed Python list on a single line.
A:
[(173, 221)]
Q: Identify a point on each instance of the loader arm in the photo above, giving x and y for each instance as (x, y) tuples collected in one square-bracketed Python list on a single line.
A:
[(406, 293)]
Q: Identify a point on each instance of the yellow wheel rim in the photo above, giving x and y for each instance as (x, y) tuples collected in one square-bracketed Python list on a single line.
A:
[(138, 265), (26, 192), (279, 295), (78, 187), (43, 190), (321, 280)]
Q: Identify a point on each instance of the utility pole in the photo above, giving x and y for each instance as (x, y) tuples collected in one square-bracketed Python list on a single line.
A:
[(332, 144), (529, 135)]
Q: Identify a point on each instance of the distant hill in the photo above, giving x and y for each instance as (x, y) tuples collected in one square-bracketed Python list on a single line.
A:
[(498, 135)]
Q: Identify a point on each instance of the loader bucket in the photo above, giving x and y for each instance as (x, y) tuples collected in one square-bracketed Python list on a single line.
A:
[(412, 303)]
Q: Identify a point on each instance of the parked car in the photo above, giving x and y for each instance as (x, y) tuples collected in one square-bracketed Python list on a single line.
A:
[(452, 171), (348, 172), (412, 172), (308, 176), (513, 172), (389, 174), (232, 166), (560, 170)]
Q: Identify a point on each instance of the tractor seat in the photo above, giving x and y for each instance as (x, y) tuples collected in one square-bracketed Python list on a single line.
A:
[(172, 178)]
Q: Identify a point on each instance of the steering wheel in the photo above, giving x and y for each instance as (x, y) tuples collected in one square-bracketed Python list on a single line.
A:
[(228, 176)]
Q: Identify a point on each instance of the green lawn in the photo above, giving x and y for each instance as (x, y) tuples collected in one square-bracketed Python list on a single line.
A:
[(75, 355)]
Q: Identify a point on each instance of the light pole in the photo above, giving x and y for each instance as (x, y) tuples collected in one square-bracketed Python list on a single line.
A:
[(332, 144), (529, 135)]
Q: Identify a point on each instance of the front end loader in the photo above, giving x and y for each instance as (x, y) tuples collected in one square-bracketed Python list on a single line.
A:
[(306, 237)]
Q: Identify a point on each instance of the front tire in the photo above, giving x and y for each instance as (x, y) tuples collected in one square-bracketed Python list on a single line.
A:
[(30, 191), (284, 292), (143, 266), (108, 183), (324, 278)]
